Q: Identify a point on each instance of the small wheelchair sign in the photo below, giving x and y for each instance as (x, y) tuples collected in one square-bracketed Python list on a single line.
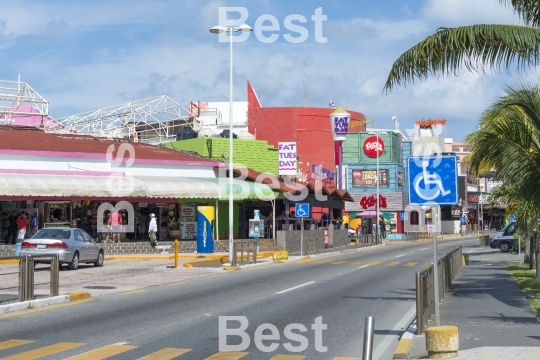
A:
[(463, 220), (301, 210), (403, 216), (433, 180)]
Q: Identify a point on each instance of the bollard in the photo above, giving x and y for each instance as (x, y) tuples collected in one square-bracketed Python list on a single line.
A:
[(442, 342), (175, 253), (369, 328)]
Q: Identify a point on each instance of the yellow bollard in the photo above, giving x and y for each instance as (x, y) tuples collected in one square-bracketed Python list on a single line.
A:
[(175, 253), (442, 342)]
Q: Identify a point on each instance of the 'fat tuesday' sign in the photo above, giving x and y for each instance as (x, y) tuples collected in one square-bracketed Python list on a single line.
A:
[(287, 158)]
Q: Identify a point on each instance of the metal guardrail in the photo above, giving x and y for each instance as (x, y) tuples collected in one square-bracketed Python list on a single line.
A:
[(249, 247), (312, 246), (448, 267), (26, 275), (367, 240)]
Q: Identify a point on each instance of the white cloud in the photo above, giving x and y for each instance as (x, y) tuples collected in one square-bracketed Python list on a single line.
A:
[(452, 13)]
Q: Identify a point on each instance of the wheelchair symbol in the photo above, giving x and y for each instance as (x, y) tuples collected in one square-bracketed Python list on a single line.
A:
[(427, 192), (300, 212)]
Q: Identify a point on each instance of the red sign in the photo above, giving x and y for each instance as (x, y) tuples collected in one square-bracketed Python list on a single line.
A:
[(373, 147), (369, 201)]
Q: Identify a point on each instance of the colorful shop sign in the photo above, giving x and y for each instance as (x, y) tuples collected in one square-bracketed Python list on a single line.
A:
[(287, 158), (373, 147), (367, 178)]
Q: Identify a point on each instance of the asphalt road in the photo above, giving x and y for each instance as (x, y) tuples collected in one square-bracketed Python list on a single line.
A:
[(316, 308)]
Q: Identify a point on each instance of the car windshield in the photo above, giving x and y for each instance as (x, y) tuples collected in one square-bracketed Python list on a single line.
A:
[(507, 226), (61, 234)]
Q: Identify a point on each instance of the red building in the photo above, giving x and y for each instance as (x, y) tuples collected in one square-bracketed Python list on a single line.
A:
[(308, 126)]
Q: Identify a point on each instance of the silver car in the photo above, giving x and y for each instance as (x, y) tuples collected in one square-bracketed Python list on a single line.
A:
[(73, 246)]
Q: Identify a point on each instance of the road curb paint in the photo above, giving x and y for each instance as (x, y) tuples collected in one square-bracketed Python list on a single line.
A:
[(229, 267), (9, 261), (79, 296), (404, 346)]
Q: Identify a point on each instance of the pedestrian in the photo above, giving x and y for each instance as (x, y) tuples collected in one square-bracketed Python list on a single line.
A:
[(152, 230), (12, 228), (115, 220), (22, 222)]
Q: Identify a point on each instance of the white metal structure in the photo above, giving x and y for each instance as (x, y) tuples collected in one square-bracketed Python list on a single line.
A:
[(154, 120), (15, 96)]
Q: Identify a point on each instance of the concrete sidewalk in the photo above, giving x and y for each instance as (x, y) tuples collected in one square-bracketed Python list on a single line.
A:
[(491, 312)]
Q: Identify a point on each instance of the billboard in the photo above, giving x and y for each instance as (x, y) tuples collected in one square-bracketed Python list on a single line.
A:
[(367, 178)]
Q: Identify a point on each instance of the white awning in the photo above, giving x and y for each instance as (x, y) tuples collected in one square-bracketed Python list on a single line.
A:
[(126, 187)]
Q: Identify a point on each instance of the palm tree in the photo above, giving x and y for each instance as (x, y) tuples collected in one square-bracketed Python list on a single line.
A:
[(474, 48), (508, 140)]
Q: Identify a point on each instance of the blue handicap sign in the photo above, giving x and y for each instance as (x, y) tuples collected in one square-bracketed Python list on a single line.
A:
[(403, 216), (512, 218), (433, 180), (463, 220), (301, 210)]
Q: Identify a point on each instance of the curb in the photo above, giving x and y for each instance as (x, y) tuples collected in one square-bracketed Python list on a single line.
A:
[(39, 303), (224, 259), (404, 346)]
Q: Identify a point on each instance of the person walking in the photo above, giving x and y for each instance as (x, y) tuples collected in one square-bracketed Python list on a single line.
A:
[(12, 228), (115, 220), (22, 222), (152, 230)]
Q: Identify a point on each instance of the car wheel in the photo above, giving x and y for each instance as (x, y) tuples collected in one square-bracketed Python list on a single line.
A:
[(74, 264), (504, 247), (99, 261)]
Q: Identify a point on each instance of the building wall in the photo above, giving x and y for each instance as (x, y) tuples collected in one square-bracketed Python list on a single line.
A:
[(254, 154), (308, 126)]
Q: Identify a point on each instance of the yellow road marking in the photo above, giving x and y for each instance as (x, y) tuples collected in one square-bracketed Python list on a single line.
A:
[(44, 351), (104, 353), (411, 264), (394, 263), (322, 262), (339, 262), (133, 292), (304, 261), (180, 283), (25, 312), (214, 276), (227, 356), (8, 344), (426, 265), (373, 263), (165, 354), (288, 357), (357, 263)]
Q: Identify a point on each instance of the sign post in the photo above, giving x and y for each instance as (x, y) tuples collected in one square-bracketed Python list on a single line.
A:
[(301, 210), (433, 181)]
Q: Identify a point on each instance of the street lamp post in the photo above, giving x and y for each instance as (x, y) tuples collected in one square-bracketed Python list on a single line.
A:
[(218, 30), (377, 181)]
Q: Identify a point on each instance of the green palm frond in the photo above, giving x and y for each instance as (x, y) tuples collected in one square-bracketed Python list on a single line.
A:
[(528, 10), (475, 48)]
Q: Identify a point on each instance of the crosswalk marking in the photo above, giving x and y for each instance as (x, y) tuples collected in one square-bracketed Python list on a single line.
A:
[(104, 353), (227, 356), (165, 354), (374, 263), (393, 263), (357, 263), (288, 357), (339, 262), (44, 351), (411, 264), (8, 344)]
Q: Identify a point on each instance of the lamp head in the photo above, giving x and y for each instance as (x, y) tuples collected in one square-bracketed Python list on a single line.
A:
[(218, 29)]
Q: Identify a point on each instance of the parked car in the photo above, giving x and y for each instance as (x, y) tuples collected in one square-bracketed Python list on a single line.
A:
[(504, 239), (73, 246)]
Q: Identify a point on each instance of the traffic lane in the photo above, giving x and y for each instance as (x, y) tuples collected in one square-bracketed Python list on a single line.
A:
[(119, 317), (152, 310)]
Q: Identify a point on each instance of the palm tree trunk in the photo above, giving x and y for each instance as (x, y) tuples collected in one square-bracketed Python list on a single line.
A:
[(531, 253), (536, 258)]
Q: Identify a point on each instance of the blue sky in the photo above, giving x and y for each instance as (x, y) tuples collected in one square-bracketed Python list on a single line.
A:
[(86, 55)]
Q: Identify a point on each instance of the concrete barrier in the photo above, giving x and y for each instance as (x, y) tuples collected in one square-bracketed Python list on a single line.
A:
[(442, 342)]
